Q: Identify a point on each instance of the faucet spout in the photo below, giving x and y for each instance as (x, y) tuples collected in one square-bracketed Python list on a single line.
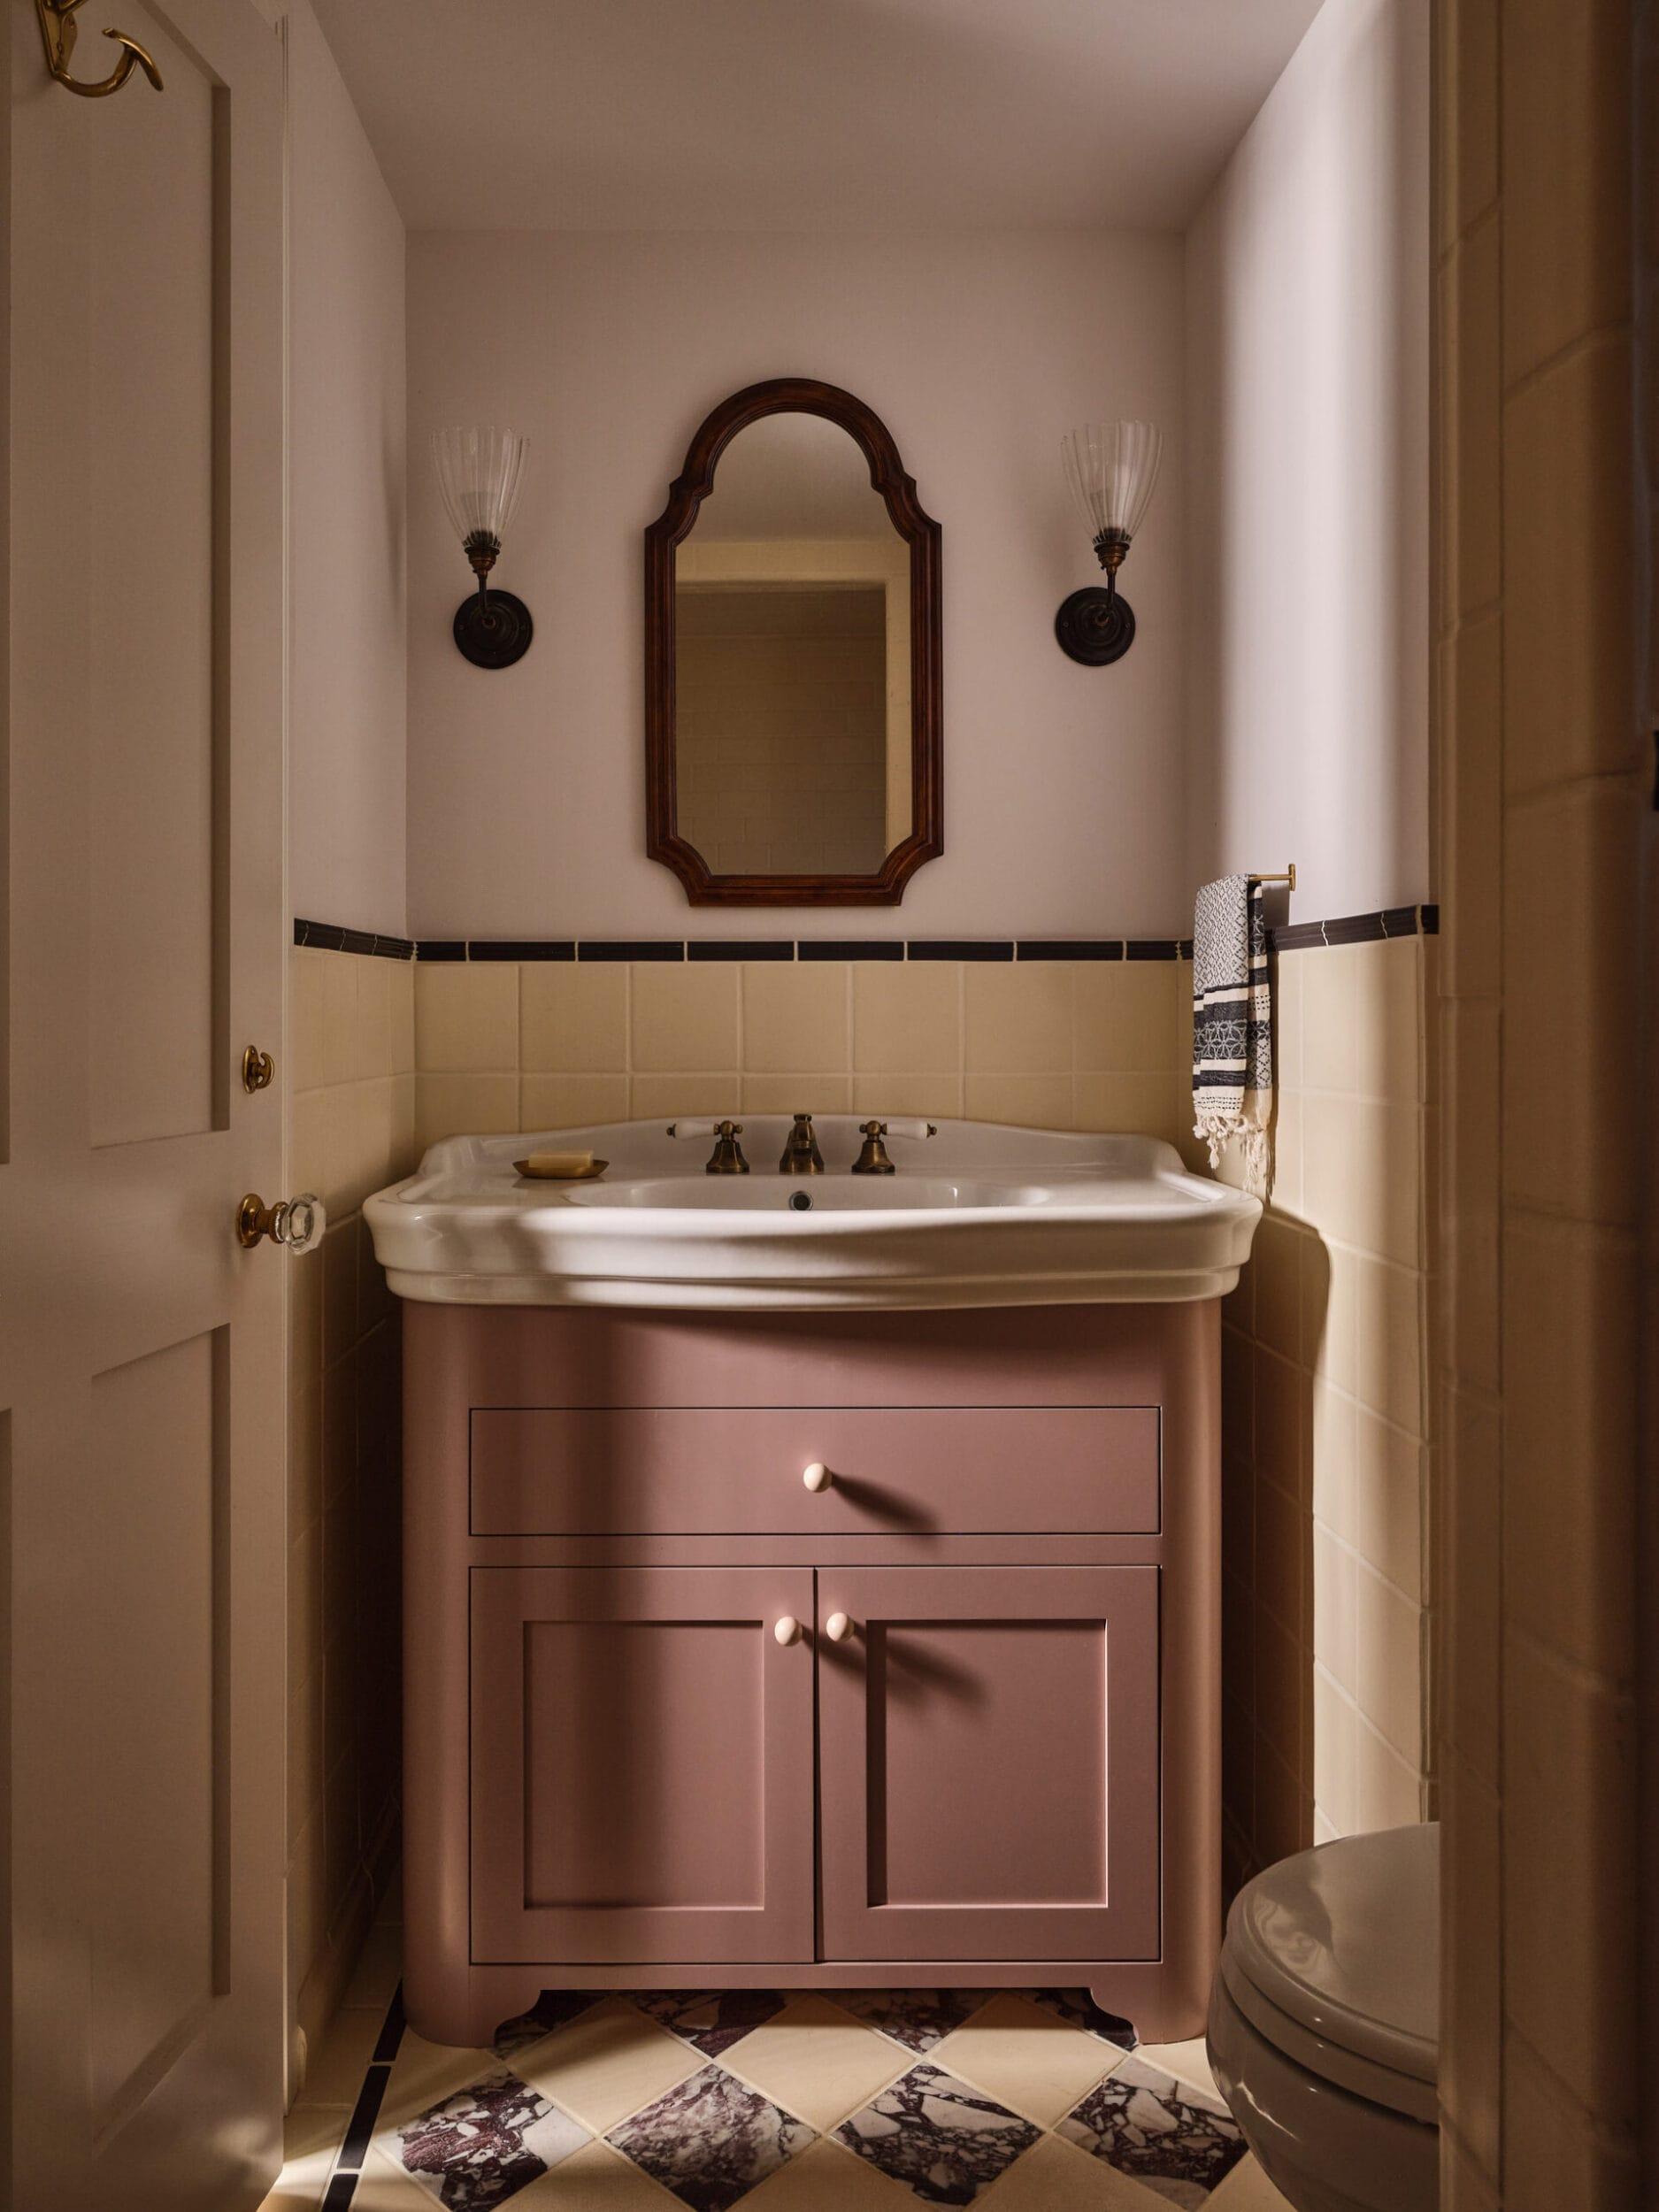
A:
[(801, 1154)]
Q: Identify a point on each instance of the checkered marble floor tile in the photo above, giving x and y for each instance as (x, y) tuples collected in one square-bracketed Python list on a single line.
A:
[(831, 2101)]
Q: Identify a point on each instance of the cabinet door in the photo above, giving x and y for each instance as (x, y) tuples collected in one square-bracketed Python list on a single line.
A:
[(641, 1764), (989, 1750)]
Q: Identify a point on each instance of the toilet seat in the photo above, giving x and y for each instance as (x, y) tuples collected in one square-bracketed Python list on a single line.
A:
[(1333, 1957)]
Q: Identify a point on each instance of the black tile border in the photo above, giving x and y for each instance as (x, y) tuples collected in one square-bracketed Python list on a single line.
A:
[(349, 2159), (740, 948), (332, 937), (521, 949), (1344, 929), (627, 949), (1358, 929)]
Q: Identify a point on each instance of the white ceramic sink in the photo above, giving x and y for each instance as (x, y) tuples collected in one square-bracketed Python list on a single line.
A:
[(980, 1215)]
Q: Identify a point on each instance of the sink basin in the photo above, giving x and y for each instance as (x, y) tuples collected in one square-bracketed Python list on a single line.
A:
[(980, 1215)]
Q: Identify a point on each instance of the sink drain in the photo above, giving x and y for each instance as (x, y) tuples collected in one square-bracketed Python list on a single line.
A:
[(799, 1200)]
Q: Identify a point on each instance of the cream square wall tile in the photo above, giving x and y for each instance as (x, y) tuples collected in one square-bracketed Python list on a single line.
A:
[(654, 1097), (907, 1017), (307, 1024), (1135, 1106), (684, 1015), (1389, 1343), (341, 1041), (1330, 1018), (467, 1017), (1388, 1672), (1568, 637), (1018, 1018), (796, 1014), (573, 1017), (1287, 969), (1389, 1032), (798, 1095), (937, 1097), (572, 1101), (1276, 1262), (1026, 1102), (468, 1105), (1128, 1015)]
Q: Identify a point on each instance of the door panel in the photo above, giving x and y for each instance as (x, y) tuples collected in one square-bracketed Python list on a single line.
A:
[(152, 206), (641, 1764), (989, 1758), (141, 1349)]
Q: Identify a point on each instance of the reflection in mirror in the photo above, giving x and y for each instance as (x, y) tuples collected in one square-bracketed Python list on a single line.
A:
[(792, 658), (792, 669)]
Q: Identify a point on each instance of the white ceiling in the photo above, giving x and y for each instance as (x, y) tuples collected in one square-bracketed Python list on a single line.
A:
[(779, 115)]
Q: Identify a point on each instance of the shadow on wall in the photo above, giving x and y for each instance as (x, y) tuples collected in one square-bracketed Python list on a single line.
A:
[(1269, 1602)]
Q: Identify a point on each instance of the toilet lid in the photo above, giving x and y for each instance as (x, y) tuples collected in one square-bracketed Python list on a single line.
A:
[(1344, 1939)]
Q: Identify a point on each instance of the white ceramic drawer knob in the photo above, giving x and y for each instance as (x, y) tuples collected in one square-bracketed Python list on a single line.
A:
[(787, 1631), (817, 1476), (838, 1627)]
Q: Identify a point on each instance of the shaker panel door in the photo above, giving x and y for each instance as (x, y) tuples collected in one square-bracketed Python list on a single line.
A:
[(988, 1740), (641, 1764)]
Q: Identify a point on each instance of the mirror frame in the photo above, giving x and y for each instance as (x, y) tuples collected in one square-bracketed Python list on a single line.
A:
[(794, 395)]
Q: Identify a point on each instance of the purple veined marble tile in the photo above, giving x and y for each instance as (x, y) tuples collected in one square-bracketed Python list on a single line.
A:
[(1080, 2009), (918, 2018), (1172, 2140), (481, 2146), (553, 2008), (710, 2020), (941, 2139), (710, 2140)]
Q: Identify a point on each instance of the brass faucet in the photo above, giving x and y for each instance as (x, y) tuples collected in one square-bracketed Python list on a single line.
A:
[(801, 1154), (873, 1159), (727, 1156)]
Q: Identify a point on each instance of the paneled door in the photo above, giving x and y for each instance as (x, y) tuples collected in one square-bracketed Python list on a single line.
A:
[(642, 1763), (990, 1752), (140, 1348)]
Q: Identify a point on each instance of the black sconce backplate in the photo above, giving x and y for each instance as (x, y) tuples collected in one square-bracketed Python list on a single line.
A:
[(493, 632), (1095, 626)]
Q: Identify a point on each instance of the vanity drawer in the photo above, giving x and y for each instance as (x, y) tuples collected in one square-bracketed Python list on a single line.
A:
[(712, 1471)]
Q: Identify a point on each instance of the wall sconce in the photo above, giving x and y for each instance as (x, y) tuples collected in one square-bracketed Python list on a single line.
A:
[(1111, 468), (479, 474)]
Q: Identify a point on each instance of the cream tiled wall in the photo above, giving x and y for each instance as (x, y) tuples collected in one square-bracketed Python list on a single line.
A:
[(1052, 1044), (1544, 776), (1326, 1597), (351, 1054)]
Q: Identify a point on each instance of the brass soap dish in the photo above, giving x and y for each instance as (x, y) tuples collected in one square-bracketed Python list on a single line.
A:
[(534, 1173)]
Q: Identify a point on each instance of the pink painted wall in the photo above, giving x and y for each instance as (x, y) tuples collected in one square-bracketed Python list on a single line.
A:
[(1063, 785), (1308, 289), (346, 430)]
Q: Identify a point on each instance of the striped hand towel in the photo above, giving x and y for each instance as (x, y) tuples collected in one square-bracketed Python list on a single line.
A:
[(1233, 1026)]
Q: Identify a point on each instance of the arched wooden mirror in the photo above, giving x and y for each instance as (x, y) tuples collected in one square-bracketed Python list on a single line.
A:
[(793, 747)]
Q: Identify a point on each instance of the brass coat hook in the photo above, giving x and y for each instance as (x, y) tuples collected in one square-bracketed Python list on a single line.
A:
[(58, 35)]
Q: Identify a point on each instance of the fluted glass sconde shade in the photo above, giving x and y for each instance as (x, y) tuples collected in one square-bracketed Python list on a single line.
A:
[(480, 474), (1112, 469)]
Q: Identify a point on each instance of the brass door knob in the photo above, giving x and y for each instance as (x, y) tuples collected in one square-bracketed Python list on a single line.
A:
[(297, 1224)]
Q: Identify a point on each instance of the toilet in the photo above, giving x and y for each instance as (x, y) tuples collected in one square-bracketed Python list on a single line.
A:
[(1324, 2022)]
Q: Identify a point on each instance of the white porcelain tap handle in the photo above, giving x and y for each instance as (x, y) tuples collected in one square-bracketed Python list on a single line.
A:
[(685, 1130), (817, 1476), (787, 1631), (910, 1126), (838, 1627)]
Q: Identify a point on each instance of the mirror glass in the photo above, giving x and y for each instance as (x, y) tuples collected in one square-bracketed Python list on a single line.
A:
[(792, 676)]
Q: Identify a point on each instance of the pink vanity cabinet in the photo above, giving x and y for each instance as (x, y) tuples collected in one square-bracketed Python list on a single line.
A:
[(676, 1717)]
